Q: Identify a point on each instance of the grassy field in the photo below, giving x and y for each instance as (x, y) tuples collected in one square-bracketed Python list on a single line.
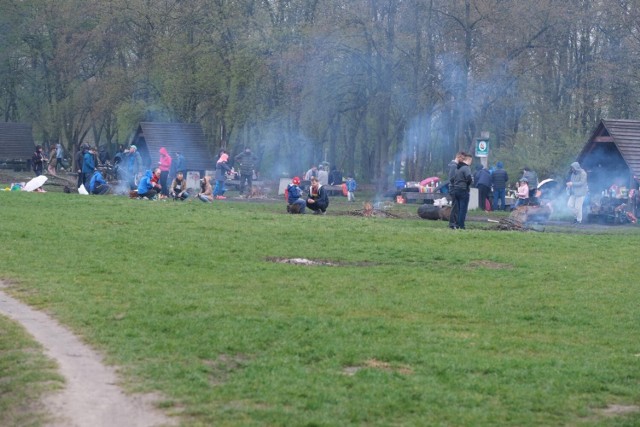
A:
[(412, 324)]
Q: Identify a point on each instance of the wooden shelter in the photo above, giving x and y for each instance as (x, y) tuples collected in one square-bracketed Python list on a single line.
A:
[(187, 138), (611, 158), (612, 155), (16, 145)]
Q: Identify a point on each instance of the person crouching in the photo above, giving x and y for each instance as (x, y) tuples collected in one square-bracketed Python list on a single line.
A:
[(179, 187), (206, 193), (318, 200), (98, 185), (146, 187), (295, 203)]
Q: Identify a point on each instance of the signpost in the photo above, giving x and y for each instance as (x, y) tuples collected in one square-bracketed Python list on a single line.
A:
[(482, 148)]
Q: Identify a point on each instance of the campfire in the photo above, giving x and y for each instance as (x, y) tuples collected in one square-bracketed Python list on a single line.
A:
[(370, 211), (525, 218)]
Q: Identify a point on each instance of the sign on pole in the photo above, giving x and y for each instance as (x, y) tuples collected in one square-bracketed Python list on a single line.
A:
[(482, 147)]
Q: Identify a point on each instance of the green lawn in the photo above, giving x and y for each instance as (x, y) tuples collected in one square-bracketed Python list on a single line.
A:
[(417, 325)]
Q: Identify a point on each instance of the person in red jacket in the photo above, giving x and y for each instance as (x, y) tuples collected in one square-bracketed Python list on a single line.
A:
[(165, 165)]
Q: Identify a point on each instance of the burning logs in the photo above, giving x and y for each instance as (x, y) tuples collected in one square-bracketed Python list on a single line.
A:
[(526, 214), (522, 218), (370, 211)]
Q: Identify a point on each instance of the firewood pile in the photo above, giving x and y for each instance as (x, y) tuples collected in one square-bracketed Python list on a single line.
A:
[(524, 218), (511, 224), (370, 211)]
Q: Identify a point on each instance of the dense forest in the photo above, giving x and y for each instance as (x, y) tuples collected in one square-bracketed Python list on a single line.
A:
[(381, 88)]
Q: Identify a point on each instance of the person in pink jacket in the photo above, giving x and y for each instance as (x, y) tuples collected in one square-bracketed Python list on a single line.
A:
[(164, 164), (523, 192)]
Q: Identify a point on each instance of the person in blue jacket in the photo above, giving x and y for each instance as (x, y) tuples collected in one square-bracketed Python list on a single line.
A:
[(88, 165), (98, 185), (295, 202), (146, 187)]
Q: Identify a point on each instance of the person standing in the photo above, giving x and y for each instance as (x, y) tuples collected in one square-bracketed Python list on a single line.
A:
[(335, 176), (222, 168), (351, 188), (134, 165), (59, 156), (247, 164), (499, 179), (180, 164), (165, 165), (311, 173), (523, 193), (323, 176), (53, 162), (79, 158), (482, 179), (452, 168), (532, 179), (577, 188), (37, 161), (88, 166), (460, 187)]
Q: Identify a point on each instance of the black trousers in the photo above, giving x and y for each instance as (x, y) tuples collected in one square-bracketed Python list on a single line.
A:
[(483, 194)]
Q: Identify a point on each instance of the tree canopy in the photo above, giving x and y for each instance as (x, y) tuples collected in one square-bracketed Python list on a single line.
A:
[(378, 88)]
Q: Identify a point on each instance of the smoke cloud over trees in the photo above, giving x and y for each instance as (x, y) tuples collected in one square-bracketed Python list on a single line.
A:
[(381, 88)]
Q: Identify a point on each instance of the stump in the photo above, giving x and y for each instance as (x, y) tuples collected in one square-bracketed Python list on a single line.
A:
[(434, 212)]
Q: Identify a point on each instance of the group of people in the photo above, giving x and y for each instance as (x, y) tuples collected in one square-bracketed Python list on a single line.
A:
[(317, 198), (54, 159), (461, 180)]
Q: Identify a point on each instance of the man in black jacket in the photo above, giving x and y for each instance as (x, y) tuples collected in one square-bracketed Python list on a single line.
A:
[(460, 185), (499, 179), (318, 200), (247, 163)]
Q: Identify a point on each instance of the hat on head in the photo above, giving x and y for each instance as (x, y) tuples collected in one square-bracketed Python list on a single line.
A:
[(296, 180), (134, 147), (499, 164), (524, 180)]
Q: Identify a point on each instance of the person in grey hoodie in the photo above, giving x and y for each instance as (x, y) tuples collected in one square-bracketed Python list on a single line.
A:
[(577, 188)]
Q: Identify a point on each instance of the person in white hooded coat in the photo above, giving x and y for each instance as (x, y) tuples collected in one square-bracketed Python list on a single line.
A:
[(577, 188)]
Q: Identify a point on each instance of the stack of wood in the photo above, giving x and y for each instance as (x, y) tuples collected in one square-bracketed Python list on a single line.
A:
[(523, 216), (370, 211), (511, 224)]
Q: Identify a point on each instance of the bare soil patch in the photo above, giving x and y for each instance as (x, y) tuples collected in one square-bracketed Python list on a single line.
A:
[(91, 396)]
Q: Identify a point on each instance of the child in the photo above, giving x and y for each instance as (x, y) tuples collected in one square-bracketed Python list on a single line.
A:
[(179, 187), (351, 188), (222, 168), (523, 192), (295, 202)]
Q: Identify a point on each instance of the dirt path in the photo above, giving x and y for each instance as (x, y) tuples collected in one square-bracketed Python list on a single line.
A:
[(91, 396)]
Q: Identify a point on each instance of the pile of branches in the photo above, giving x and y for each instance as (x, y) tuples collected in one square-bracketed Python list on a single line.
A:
[(371, 212), (512, 224)]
